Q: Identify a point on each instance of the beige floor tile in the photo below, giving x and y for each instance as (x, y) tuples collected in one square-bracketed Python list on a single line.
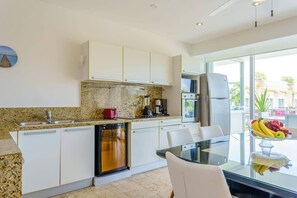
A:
[(83, 193), (142, 193), (110, 193), (121, 182), (165, 193), (129, 186), (145, 181), (151, 184), (101, 187), (138, 177)]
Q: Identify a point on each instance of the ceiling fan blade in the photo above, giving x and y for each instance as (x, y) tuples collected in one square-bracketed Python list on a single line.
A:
[(222, 7)]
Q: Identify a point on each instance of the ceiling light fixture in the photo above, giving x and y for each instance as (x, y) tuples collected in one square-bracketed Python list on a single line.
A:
[(256, 3), (199, 24)]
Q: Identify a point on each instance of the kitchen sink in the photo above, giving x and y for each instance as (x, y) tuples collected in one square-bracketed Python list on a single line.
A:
[(32, 123), (46, 123), (64, 121)]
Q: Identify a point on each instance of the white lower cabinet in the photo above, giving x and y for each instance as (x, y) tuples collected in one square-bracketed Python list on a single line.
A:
[(77, 154), (144, 143), (146, 138), (41, 159), (53, 157)]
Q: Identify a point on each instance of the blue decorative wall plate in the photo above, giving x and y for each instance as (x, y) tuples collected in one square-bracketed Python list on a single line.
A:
[(8, 57)]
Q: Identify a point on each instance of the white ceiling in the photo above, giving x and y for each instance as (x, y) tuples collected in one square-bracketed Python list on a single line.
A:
[(177, 18)]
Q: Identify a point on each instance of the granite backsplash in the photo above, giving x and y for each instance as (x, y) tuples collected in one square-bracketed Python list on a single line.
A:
[(95, 96)]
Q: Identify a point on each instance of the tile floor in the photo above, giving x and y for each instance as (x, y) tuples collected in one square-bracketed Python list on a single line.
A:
[(151, 184)]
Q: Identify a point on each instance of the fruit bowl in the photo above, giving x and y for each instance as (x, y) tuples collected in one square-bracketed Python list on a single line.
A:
[(261, 163), (268, 131)]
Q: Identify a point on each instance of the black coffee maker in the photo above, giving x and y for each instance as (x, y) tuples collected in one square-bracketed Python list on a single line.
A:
[(147, 111)]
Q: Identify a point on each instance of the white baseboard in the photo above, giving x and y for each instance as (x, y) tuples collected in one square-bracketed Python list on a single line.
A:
[(96, 181), (111, 177), (148, 167), (59, 189)]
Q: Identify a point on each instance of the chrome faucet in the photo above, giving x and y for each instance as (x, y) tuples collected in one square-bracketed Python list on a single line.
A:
[(48, 116)]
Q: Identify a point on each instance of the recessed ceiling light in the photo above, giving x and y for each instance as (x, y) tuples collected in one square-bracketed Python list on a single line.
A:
[(199, 24), (153, 6)]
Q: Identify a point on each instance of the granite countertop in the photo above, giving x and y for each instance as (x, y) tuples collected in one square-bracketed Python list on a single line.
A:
[(155, 118), (8, 146)]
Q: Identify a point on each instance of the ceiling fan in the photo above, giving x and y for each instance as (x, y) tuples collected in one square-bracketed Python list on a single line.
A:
[(229, 3)]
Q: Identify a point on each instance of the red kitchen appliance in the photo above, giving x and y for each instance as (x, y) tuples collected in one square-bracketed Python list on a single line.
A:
[(110, 113)]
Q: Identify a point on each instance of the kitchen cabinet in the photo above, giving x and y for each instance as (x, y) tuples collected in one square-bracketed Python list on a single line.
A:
[(161, 69), (41, 159), (144, 143), (77, 154), (136, 66), (192, 65), (102, 61), (165, 126), (194, 129)]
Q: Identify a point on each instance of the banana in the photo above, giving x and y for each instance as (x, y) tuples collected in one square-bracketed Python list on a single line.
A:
[(260, 134), (256, 167), (272, 131), (263, 169), (264, 129), (257, 131), (255, 125)]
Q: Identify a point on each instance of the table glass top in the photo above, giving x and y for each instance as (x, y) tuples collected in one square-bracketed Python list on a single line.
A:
[(241, 155)]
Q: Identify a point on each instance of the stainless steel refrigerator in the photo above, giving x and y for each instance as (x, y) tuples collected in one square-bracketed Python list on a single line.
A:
[(214, 101)]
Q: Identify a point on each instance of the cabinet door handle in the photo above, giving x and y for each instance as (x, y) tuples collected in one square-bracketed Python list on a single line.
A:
[(40, 132), (23, 160), (161, 121), (161, 128), (78, 129), (133, 131)]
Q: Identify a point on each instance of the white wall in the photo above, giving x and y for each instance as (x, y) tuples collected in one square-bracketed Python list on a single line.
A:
[(47, 39), (252, 37)]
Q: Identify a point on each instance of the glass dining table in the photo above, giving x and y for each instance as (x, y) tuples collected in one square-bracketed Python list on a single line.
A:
[(246, 168)]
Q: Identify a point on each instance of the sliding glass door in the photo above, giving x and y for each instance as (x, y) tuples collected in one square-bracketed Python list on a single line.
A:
[(270, 77)]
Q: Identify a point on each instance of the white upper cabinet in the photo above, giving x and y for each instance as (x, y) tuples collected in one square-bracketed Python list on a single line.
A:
[(112, 63), (102, 62), (161, 69), (136, 66), (192, 65)]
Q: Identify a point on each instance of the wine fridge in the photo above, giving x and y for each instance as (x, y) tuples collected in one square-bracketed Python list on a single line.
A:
[(110, 148)]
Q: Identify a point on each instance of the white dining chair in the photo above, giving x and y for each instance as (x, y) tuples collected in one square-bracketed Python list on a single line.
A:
[(192, 180), (209, 132), (179, 137)]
